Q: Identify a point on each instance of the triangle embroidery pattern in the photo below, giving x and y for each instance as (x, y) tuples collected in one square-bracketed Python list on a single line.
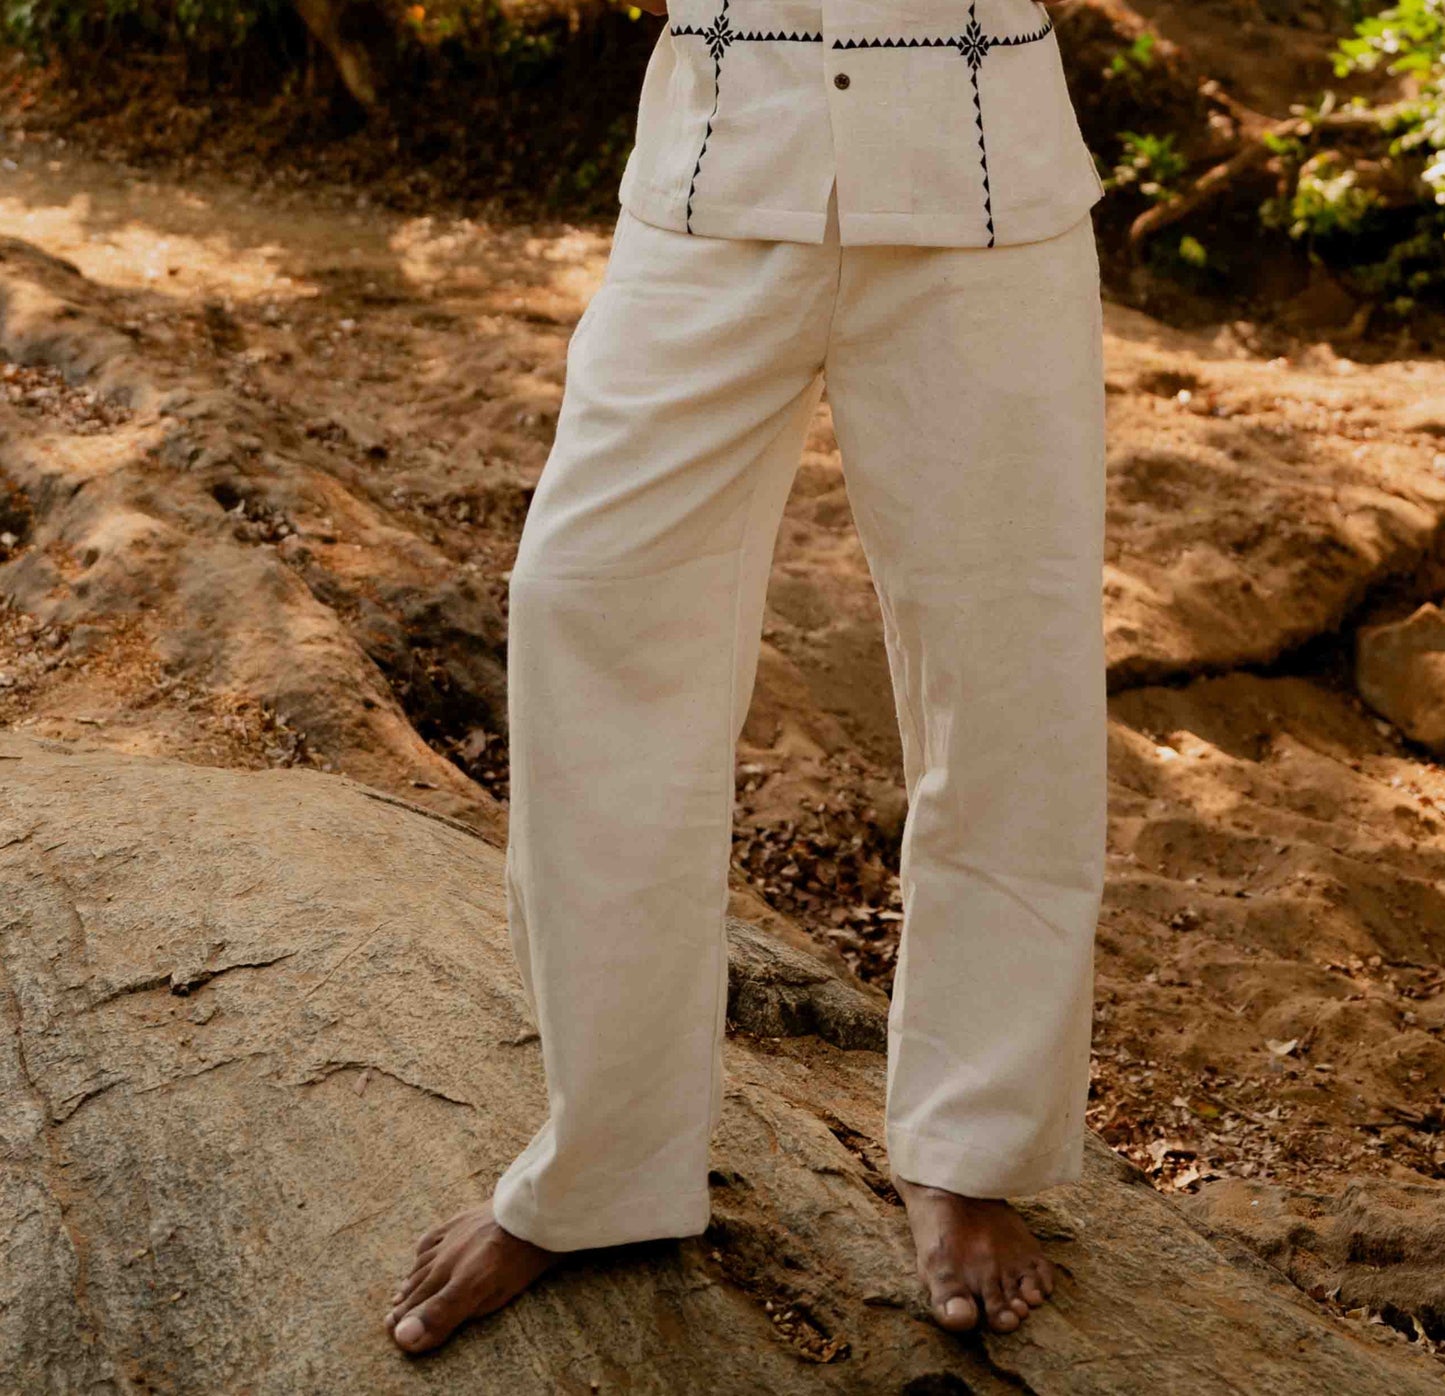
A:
[(974, 46), (720, 36)]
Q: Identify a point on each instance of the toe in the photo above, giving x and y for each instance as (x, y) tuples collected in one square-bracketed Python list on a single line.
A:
[(419, 1295), (956, 1312), (1013, 1298), (1044, 1269), (1001, 1315), (432, 1323), (1003, 1319), (410, 1285), (1031, 1289), (411, 1334)]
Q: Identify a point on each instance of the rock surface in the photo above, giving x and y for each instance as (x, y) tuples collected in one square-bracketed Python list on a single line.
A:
[(1400, 672), (263, 1027), (1374, 1245)]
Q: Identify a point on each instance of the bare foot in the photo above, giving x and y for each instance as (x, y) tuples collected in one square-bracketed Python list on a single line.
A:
[(974, 1250), (466, 1267)]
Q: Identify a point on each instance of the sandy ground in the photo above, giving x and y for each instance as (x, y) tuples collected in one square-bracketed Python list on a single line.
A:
[(344, 412)]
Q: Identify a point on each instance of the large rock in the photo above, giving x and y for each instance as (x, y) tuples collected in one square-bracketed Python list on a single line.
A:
[(1400, 672), (262, 1028)]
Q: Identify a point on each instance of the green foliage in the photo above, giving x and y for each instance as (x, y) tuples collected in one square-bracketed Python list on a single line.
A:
[(1412, 269), (1408, 40), (1407, 37), (1134, 60), (1186, 261), (1326, 200), (1192, 252), (1149, 163), (1392, 250), (1291, 147), (1405, 40)]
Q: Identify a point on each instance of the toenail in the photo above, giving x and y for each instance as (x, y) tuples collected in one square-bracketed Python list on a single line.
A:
[(956, 1308), (409, 1329)]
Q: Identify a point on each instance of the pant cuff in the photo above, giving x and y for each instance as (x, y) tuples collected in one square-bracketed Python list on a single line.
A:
[(940, 1163), (652, 1218)]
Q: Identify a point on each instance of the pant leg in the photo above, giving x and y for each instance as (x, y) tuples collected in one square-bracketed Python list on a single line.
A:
[(635, 615), (968, 400)]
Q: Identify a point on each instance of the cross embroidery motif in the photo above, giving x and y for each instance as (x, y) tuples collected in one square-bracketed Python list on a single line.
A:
[(720, 36), (974, 45)]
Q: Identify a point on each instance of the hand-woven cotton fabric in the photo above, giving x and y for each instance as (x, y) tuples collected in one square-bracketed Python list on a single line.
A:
[(967, 394), (943, 122)]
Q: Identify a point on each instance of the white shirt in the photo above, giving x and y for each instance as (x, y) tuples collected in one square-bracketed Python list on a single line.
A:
[(944, 122)]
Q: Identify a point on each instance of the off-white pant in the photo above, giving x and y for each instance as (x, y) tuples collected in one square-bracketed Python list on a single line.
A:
[(968, 402)]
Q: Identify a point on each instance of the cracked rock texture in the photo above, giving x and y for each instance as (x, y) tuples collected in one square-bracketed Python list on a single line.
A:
[(261, 1028)]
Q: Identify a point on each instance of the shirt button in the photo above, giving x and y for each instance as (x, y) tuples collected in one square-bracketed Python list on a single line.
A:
[(841, 79)]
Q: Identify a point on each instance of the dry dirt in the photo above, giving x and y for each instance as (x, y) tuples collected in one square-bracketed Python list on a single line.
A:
[(264, 458)]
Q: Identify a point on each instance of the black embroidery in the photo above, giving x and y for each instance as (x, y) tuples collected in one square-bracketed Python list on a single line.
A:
[(974, 45), (720, 36)]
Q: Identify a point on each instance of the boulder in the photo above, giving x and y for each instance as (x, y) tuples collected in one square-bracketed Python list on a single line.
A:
[(262, 1028), (1400, 672)]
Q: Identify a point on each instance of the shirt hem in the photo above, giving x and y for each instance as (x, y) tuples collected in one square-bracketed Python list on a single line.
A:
[(666, 210), (856, 228)]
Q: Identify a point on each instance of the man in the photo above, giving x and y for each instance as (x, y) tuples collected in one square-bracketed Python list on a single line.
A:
[(894, 196)]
